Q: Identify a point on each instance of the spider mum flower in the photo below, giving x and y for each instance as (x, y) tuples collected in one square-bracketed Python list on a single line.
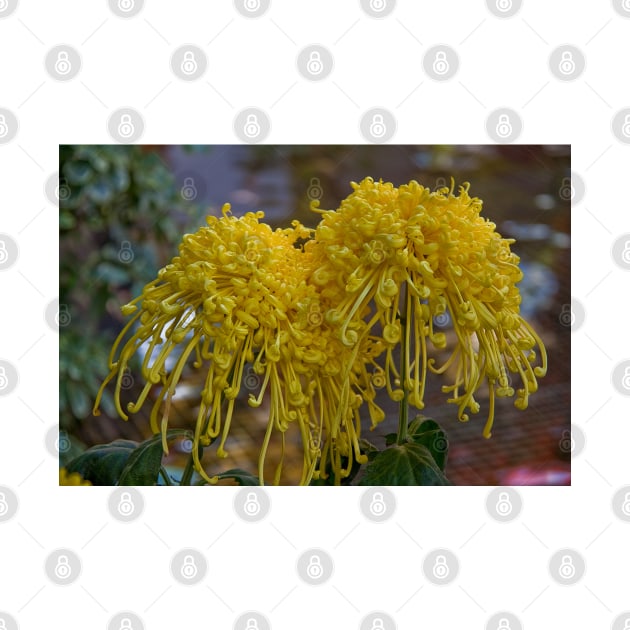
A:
[(72, 479), (235, 295), (391, 259)]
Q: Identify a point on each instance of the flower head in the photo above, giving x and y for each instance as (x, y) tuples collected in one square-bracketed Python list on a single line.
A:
[(235, 295), (390, 260)]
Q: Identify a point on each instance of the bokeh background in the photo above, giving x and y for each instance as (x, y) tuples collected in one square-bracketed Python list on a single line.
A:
[(124, 209)]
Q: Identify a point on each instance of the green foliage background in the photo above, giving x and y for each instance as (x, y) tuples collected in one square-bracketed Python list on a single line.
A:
[(118, 207)]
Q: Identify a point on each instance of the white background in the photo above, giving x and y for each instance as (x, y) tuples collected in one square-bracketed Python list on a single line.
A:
[(378, 63)]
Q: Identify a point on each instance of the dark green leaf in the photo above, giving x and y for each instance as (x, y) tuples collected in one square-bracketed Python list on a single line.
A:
[(367, 448), (244, 478), (390, 439), (143, 466), (427, 432), (408, 464), (102, 464), (123, 462)]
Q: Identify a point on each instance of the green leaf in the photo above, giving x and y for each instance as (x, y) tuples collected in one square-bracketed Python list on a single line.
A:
[(408, 464), (102, 464), (123, 462), (143, 466), (427, 432), (391, 438), (244, 478)]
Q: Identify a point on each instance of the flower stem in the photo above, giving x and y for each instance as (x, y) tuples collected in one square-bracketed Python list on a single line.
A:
[(188, 471), (165, 476), (403, 415)]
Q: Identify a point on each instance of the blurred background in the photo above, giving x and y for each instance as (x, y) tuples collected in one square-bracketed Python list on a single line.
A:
[(124, 209)]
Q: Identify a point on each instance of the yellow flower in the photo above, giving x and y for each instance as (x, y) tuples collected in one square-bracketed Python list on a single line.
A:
[(235, 295), (72, 479), (448, 258)]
